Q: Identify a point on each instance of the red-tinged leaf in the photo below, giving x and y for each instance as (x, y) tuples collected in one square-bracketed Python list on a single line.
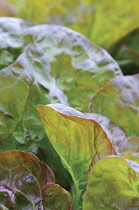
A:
[(25, 182), (77, 140), (119, 101), (56, 197), (22, 174)]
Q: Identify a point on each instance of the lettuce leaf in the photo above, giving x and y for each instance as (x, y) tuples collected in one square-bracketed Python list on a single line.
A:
[(112, 184), (113, 131), (76, 63), (23, 85), (11, 39), (119, 101), (77, 140), (23, 180), (103, 22), (126, 52)]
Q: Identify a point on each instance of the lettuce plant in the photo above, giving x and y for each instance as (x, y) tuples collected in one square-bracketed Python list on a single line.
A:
[(54, 72), (119, 99), (85, 139), (28, 183)]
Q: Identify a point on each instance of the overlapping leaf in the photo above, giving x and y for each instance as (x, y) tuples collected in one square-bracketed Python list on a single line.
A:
[(23, 85), (113, 183), (129, 147), (119, 101), (56, 197), (113, 131), (23, 179), (103, 22), (76, 63), (11, 40), (126, 53), (77, 140)]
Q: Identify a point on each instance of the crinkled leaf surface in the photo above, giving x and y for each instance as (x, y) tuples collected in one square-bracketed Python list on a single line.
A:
[(113, 183), (76, 63), (24, 183), (23, 85), (77, 140), (119, 101), (11, 40)]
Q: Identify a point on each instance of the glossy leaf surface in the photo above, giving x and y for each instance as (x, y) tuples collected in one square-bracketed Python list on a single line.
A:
[(119, 101), (23, 85), (113, 183), (76, 63), (24, 180), (22, 176), (77, 140), (11, 40)]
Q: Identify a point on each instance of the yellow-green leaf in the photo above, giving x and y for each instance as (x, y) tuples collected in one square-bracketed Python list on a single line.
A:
[(77, 140), (113, 184)]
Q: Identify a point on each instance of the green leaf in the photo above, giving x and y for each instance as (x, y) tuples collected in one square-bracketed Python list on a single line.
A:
[(103, 22), (113, 131), (23, 180), (77, 140), (112, 184), (75, 62), (11, 40), (56, 197), (126, 53), (119, 101), (23, 85), (111, 21)]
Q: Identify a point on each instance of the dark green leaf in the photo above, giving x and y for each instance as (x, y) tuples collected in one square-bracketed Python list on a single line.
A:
[(126, 53)]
